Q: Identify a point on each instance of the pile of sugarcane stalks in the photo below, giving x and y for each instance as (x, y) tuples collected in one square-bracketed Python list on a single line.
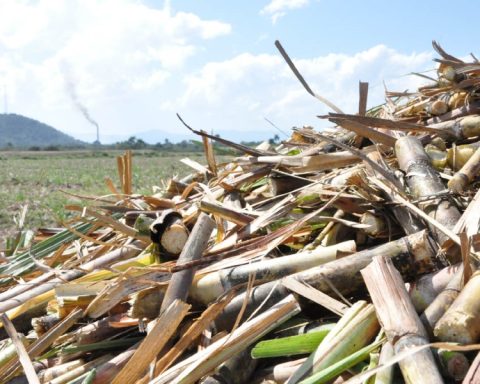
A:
[(343, 256)]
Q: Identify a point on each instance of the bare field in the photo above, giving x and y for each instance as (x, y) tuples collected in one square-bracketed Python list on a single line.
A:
[(40, 179)]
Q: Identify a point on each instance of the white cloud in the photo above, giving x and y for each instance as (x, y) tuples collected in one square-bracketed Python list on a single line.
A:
[(278, 8), (111, 47), (133, 68), (243, 90)]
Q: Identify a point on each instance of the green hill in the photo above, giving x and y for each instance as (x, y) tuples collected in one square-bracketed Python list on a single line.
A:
[(22, 132)]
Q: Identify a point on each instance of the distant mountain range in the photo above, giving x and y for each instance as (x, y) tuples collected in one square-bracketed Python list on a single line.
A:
[(22, 132)]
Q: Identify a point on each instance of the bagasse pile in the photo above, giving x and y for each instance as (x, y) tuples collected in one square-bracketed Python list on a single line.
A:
[(336, 256)]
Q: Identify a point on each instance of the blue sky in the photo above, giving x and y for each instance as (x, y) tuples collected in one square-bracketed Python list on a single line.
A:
[(134, 64)]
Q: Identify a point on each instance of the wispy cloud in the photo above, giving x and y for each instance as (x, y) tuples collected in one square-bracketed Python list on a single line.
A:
[(278, 8)]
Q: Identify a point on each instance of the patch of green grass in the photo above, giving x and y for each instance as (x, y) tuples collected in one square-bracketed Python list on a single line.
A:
[(38, 179)]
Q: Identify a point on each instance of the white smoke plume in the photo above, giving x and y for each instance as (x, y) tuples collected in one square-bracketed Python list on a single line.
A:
[(72, 93)]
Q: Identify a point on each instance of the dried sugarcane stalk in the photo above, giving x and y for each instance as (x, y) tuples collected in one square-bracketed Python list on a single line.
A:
[(232, 200), (236, 370), (466, 174), (456, 99), (42, 324), (458, 155), (175, 187), (181, 281), (22, 354), (97, 331), (51, 373), (385, 375), (157, 338), (209, 154), (314, 295), (78, 371), (23, 287), (325, 231), (424, 290), (382, 123), (8, 350), (473, 374), (146, 303), (399, 320), (229, 214), (365, 131), (460, 128), (407, 221), (204, 361), (209, 287), (354, 330), (423, 181), (438, 107), (454, 365), (23, 321), (278, 373), (343, 177), (120, 288), (282, 183), (188, 336), (377, 225), (109, 369), (438, 157), (10, 301), (362, 99), (461, 322), (169, 232), (455, 113), (320, 162), (412, 108), (412, 254), (442, 302), (44, 342), (174, 237), (337, 232)]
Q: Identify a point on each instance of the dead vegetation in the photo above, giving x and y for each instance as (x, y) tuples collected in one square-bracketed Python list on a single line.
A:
[(333, 256)]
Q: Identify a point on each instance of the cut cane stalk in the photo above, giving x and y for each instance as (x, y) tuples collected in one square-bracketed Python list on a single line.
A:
[(411, 254), (209, 287), (460, 323), (399, 320), (424, 181)]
